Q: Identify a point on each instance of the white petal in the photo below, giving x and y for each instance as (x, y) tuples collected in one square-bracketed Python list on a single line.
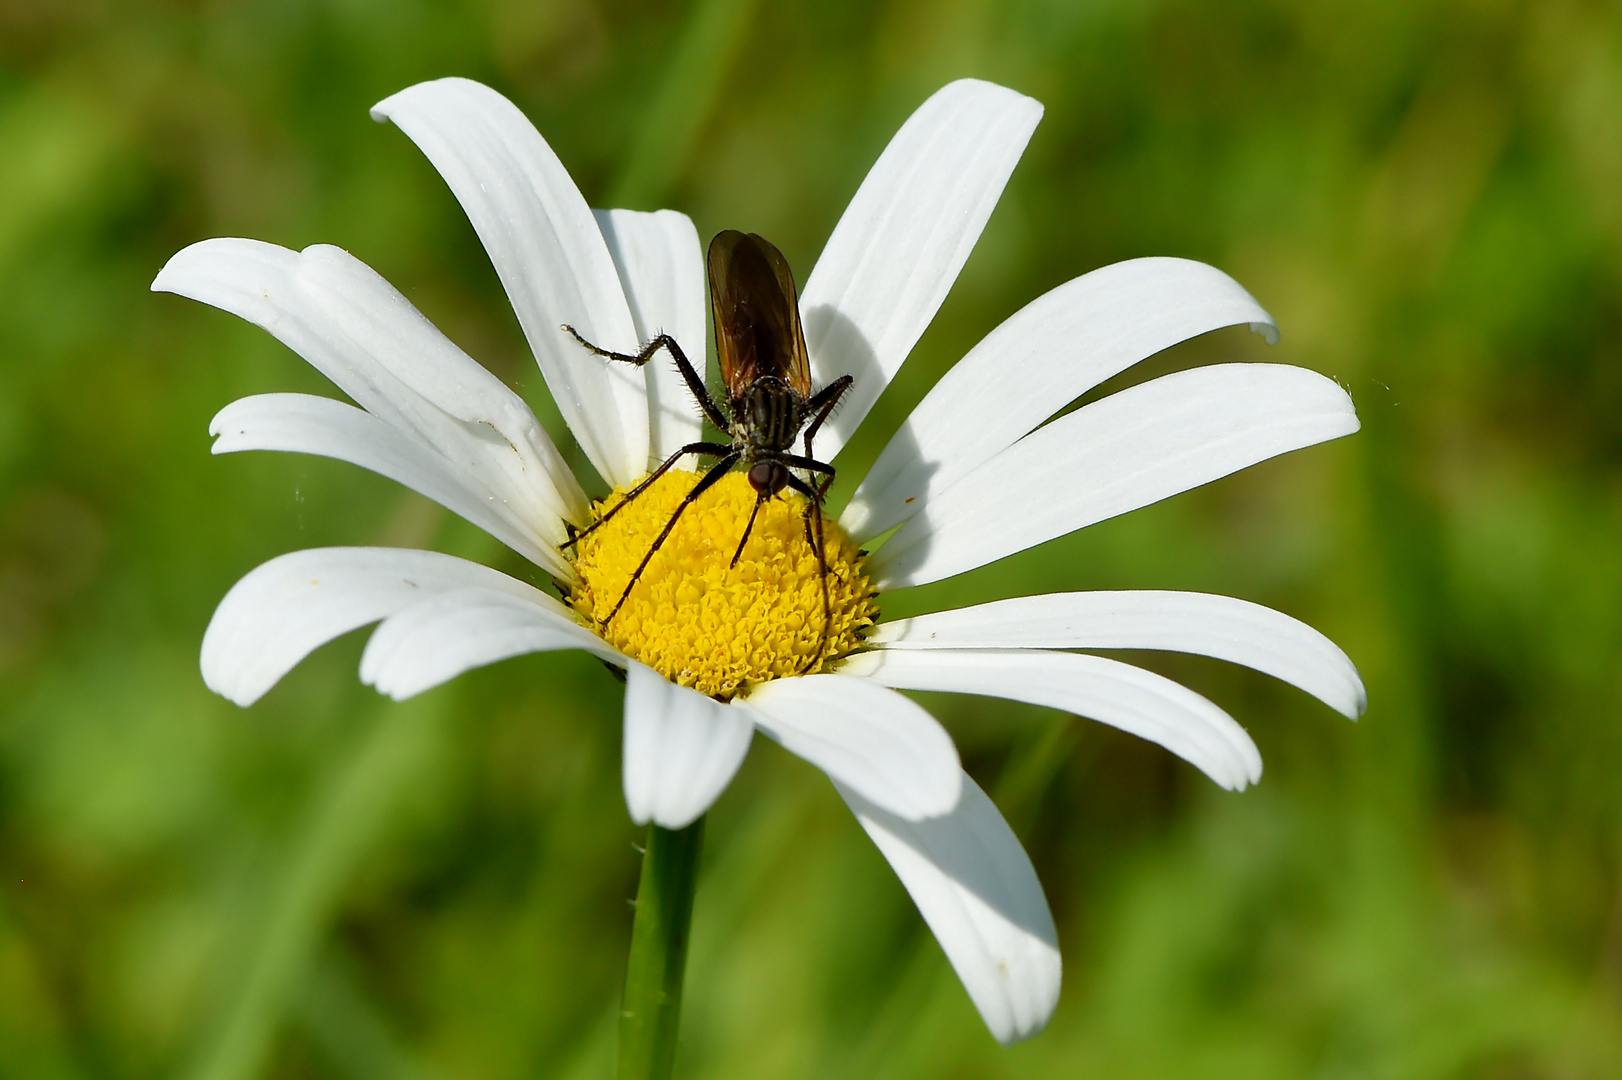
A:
[(434, 641), (900, 244), (1117, 694), (1202, 623), (306, 424), (1127, 450), (281, 611), (662, 269), (975, 887), (681, 748), (499, 439), (356, 329), (548, 252), (1049, 353), (872, 740)]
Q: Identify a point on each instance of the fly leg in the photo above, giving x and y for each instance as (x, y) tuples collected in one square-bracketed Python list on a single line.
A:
[(823, 403), (717, 471), (813, 467), (695, 382), (813, 510), (794, 461), (709, 448)]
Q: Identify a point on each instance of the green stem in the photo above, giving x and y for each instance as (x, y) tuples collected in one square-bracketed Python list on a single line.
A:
[(651, 1008)]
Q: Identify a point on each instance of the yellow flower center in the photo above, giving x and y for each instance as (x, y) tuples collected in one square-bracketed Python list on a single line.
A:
[(702, 622)]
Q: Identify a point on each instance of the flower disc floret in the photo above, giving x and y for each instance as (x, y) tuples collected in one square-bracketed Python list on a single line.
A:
[(702, 622)]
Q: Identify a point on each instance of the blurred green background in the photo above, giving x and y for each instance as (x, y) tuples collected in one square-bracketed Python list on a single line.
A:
[(1427, 196)]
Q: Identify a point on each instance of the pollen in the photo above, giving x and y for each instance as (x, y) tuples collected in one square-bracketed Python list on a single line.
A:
[(701, 621)]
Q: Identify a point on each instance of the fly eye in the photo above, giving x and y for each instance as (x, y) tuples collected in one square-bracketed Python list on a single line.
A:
[(767, 476), (761, 475)]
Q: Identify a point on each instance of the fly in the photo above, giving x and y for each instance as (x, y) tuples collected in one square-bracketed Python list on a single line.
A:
[(769, 401)]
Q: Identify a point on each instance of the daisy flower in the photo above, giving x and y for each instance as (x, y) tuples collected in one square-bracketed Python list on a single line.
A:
[(714, 652)]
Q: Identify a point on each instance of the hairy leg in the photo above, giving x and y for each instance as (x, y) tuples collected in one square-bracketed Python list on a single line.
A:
[(709, 480), (695, 383), (712, 449)]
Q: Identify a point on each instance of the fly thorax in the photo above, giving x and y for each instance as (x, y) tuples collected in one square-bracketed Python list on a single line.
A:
[(769, 413)]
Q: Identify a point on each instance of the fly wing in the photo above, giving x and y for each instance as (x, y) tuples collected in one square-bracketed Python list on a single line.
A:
[(757, 315), (794, 362)]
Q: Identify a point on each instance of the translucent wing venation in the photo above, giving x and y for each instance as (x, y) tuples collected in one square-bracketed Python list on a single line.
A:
[(757, 315)]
